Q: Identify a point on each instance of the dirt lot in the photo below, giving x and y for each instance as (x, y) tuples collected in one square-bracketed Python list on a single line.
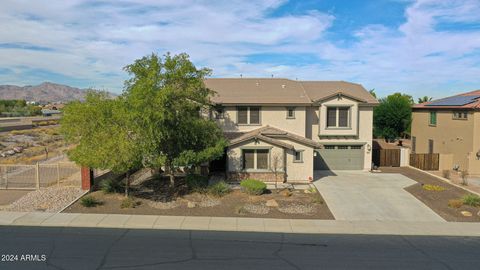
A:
[(31, 146), (437, 200), (291, 204)]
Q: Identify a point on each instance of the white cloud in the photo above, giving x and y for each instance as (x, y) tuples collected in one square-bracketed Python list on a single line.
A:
[(92, 41)]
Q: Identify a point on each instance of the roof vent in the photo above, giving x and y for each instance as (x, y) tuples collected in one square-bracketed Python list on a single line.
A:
[(257, 83), (283, 86)]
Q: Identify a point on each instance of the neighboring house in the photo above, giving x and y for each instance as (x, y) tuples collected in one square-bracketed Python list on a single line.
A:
[(450, 127), (284, 130)]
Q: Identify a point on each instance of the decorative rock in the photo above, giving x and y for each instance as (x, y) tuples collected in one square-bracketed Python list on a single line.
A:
[(286, 193), (191, 204), (271, 203), (307, 191), (466, 213)]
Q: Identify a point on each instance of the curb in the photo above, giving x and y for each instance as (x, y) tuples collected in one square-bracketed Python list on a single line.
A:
[(445, 180)]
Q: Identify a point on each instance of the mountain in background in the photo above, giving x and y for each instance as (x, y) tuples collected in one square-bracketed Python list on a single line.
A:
[(44, 93)]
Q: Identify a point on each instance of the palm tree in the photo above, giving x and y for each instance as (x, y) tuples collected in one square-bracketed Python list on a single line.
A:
[(424, 99)]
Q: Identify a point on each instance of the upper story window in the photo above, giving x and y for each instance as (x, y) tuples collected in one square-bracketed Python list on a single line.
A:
[(248, 115), (290, 112), (460, 115), (338, 117), (433, 118), (219, 113)]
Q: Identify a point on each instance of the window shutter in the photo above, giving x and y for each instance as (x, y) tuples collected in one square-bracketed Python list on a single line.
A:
[(343, 117), (254, 115), (331, 117), (248, 159), (242, 115), (262, 159)]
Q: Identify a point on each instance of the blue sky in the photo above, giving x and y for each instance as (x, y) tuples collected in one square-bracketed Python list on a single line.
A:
[(420, 47)]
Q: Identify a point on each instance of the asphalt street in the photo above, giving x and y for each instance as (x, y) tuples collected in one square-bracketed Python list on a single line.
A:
[(84, 248)]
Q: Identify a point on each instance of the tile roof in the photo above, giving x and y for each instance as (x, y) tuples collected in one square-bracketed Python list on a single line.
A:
[(271, 135), (473, 105), (281, 91)]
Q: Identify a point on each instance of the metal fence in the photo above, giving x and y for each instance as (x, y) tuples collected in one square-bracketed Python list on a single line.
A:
[(39, 175)]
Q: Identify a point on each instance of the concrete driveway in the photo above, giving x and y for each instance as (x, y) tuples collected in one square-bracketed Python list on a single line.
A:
[(358, 195)]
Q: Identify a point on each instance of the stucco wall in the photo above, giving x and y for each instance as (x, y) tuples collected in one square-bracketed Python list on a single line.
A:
[(474, 165), (275, 116), (450, 136), (295, 171), (352, 130)]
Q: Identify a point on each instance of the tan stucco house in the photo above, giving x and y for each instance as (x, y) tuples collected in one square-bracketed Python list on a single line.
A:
[(284, 130), (450, 127)]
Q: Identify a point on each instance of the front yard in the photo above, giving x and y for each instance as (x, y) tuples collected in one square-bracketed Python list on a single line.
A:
[(152, 197), (444, 199)]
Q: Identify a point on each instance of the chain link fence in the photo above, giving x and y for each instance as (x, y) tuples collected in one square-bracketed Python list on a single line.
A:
[(39, 175)]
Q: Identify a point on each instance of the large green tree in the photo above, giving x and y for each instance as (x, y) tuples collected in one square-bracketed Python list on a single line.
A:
[(157, 122), (166, 98), (392, 117), (103, 134)]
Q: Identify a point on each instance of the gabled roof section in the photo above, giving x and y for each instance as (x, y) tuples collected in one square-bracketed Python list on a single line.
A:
[(282, 91), (469, 100), (272, 134), (321, 90)]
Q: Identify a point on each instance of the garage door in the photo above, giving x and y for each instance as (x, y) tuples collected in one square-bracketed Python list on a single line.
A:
[(339, 157)]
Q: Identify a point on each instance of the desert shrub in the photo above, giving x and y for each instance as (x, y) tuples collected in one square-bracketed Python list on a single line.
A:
[(129, 202), (455, 203), (196, 182), (446, 174), (433, 188), (219, 189), (89, 201), (471, 199), (253, 187), (111, 186)]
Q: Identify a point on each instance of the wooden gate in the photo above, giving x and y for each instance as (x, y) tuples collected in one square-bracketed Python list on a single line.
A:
[(426, 162), (386, 157)]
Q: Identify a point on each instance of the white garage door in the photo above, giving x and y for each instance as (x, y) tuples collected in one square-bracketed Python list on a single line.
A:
[(339, 157)]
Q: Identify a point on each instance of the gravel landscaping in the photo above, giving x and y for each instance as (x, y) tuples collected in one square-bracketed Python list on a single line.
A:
[(51, 199), (154, 199), (443, 198)]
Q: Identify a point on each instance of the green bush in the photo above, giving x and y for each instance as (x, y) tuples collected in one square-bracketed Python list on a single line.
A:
[(219, 189), (89, 201), (253, 187), (111, 186), (196, 182), (471, 199), (129, 203)]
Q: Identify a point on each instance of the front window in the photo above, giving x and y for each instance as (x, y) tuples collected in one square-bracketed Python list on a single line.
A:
[(433, 118), (338, 117), (248, 115), (255, 159)]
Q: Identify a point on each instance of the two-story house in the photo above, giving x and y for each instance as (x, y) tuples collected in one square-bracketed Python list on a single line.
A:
[(284, 130), (450, 127)]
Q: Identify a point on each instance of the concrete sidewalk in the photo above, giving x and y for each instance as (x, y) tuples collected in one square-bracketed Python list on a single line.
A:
[(238, 224)]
